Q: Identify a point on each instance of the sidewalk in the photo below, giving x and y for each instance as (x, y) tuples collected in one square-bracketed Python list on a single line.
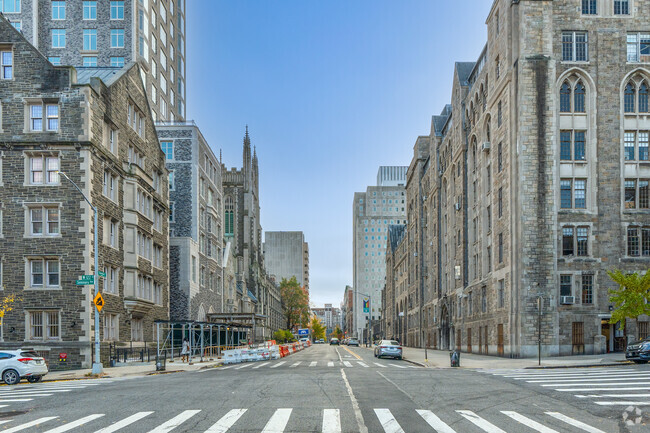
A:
[(135, 369), (440, 359)]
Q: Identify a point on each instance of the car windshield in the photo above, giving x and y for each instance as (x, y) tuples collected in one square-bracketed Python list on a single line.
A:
[(390, 343)]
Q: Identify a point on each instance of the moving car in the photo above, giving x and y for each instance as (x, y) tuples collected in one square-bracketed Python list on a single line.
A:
[(321, 340), (19, 364), (334, 341), (304, 340), (388, 348), (353, 342), (639, 351)]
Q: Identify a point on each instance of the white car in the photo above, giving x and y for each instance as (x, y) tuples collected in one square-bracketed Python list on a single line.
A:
[(19, 364)]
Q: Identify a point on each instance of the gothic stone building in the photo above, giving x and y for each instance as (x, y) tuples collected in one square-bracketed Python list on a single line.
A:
[(196, 235), (93, 124), (537, 181)]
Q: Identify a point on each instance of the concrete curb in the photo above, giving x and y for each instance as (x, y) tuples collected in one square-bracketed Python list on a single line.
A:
[(550, 367), (415, 363)]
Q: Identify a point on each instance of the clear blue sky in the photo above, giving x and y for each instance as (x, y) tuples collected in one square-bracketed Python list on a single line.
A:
[(331, 90)]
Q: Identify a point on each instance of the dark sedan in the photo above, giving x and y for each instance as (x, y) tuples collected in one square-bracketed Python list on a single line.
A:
[(639, 351), (334, 341)]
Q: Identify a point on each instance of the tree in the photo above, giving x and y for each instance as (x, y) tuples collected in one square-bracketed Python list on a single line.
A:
[(338, 333), (317, 328), (295, 303), (6, 305), (631, 298)]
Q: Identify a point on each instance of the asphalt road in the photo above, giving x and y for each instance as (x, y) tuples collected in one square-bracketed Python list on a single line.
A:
[(334, 389)]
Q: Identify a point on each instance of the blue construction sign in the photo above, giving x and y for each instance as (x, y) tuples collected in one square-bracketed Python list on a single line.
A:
[(303, 331)]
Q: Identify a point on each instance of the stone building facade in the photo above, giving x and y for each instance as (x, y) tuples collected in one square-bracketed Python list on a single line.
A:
[(373, 212), (113, 33), (95, 126), (242, 229), (196, 227), (535, 182), (395, 296)]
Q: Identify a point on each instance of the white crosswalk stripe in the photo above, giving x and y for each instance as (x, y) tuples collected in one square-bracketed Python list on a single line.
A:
[(598, 384), (313, 363), (363, 364), (379, 365), (280, 420), (347, 363), (278, 364), (263, 364), (330, 364), (296, 364)]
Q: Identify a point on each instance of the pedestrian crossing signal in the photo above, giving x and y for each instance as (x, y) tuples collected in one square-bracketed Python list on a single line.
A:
[(99, 302)]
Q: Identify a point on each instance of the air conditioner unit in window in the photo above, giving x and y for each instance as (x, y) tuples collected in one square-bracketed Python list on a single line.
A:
[(485, 146), (567, 300)]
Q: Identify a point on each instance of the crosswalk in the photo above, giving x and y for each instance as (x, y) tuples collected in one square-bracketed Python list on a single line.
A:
[(210, 421), (311, 364), (602, 386), (23, 393)]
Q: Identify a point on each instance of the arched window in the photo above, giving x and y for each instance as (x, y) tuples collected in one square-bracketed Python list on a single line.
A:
[(487, 130), (229, 217), (474, 154), (579, 98), (565, 98), (643, 98), (629, 98), (483, 97)]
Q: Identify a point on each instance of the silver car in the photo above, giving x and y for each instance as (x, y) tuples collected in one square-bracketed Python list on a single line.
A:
[(19, 364), (390, 348)]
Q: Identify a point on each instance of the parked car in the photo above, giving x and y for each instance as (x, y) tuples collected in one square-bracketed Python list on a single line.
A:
[(21, 364), (321, 340), (334, 341), (304, 340), (388, 348), (639, 351), (353, 342)]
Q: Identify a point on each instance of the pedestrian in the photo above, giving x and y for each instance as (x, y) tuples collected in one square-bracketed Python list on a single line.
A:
[(185, 351)]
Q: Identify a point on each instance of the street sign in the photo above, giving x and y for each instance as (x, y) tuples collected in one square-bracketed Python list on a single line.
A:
[(84, 283), (102, 274), (366, 305), (303, 331), (99, 302), (88, 278)]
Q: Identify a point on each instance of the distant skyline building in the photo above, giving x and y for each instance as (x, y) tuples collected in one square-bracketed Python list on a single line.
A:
[(286, 254), (113, 33), (373, 211)]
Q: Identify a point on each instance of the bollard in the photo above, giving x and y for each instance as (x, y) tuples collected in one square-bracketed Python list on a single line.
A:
[(454, 357)]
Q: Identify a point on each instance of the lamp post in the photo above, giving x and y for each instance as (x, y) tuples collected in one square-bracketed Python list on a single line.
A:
[(369, 315), (97, 365)]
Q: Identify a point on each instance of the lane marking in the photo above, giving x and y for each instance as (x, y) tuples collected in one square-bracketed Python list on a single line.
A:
[(175, 422), (398, 366), (573, 422), (75, 424), (380, 365), (278, 421), (278, 364), (603, 389), (347, 363), (363, 364), (631, 382), (29, 393), (528, 422), (626, 403), (435, 422), (480, 422), (30, 424), (15, 400), (226, 368), (613, 395), (353, 354), (126, 421), (296, 364), (396, 386), (388, 421), (243, 366), (355, 405), (226, 421), (603, 379), (330, 364), (313, 363), (261, 365), (331, 421)]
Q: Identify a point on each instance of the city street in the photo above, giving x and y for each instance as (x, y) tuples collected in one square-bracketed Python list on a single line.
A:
[(331, 389)]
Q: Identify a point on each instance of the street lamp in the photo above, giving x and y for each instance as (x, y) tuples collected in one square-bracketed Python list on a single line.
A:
[(369, 315), (97, 365)]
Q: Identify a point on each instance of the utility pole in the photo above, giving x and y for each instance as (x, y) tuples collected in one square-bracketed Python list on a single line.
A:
[(540, 301), (97, 364)]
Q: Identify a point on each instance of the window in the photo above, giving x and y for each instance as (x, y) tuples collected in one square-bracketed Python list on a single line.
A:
[(137, 333), (497, 67), (574, 47), (9, 6), (500, 202), (621, 7), (638, 47), (575, 241), (230, 217), (172, 184), (589, 7), (630, 98), (58, 10), (636, 194), (90, 10), (499, 115), (90, 39), (499, 157), (44, 170), (638, 241), (110, 281), (157, 294), (489, 218), (111, 326), (496, 22), (90, 61), (565, 98), (44, 325), (193, 269), (572, 140), (168, 148), (117, 62), (573, 193), (7, 65), (44, 273), (56, 61), (117, 9), (500, 294), (587, 289), (500, 247), (579, 98), (117, 38), (565, 285), (44, 221), (635, 144)]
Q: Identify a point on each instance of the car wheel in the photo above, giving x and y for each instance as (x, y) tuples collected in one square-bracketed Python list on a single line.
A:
[(399, 357), (34, 379), (11, 377), (639, 361)]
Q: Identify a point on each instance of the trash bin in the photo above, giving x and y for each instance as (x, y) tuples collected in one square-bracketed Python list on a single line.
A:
[(160, 363), (113, 362), (455, 358)]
